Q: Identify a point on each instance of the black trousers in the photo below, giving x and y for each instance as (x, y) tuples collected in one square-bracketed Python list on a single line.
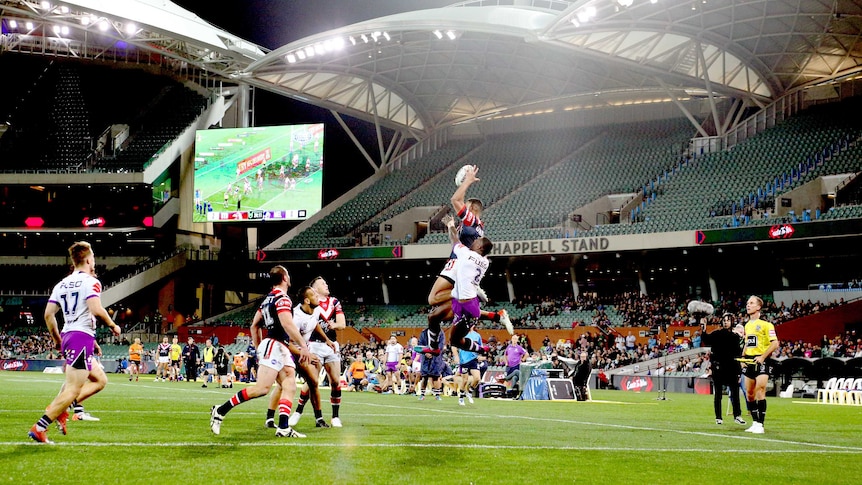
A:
[(191, 371), (721, 378)]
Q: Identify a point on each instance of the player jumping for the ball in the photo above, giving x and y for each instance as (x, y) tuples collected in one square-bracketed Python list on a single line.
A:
[(469, 230)]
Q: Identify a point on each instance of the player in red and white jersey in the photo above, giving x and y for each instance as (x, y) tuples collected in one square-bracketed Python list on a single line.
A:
[(325, 347), (469, 229), (79, 297), (164, 356), (276, 363), (306, 316)]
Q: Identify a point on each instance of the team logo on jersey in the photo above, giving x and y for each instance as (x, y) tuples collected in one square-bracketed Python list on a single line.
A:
[(274, 362)]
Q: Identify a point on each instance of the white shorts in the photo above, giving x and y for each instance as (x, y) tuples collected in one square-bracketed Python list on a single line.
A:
[(449, 271), (274, 354), (324, 352), (164, 360)]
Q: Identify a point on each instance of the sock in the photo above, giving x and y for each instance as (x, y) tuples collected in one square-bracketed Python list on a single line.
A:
[(438, 391), (318, 415), (270, 414), (284, 413), (754, 409), (761, 410), (43, 423), (335, 401), (493, 316), (236, 400), (303, 398), (77, 407), (432, 339)]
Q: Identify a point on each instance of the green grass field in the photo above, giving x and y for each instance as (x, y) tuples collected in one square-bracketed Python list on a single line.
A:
[(153, 432)]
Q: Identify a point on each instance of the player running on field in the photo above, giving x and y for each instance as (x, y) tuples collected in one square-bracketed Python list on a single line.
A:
[(325, 346), (276, 362)]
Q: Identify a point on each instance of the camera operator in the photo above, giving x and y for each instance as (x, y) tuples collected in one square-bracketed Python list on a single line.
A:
[(726, 348)]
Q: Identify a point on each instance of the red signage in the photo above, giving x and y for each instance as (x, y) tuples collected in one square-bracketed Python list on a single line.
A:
[(253, 161), (34, 222), (93, 221), (636, 383), (13, 365), (699, 237), (782, 231), (327, 254)]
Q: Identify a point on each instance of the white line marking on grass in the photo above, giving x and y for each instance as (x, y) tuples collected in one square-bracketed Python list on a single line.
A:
[(309, 444), (635, 428)]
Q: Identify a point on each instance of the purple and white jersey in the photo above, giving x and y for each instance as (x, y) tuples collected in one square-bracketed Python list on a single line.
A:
[(394, 352), (470, 267), (71, 295), (304, 322)]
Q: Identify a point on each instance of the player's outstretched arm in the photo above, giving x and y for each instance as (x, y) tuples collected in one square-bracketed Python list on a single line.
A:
[(461, 192)]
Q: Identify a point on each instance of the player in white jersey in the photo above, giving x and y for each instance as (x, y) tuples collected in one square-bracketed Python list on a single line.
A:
[(393, 351), (305, 317), (325, 346), (78, 296), (470, 266)]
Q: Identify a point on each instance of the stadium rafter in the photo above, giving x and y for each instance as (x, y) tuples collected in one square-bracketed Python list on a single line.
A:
[(420, 71)]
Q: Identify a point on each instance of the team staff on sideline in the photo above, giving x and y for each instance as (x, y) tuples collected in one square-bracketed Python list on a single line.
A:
[(468, 367), (726, 347), (325, 346), (760, 342), (136, 351), (191, 359), (78, 296), (276, 363)]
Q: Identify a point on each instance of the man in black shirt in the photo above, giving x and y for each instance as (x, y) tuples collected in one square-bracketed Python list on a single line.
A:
[(726, 348)]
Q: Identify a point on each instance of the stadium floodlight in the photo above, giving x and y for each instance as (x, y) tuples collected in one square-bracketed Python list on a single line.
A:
[(438, 34), (591, 11), (653, 2), (328, 45), (300, 54), (13, 24), (65, 30), (450, 34), (318, 48), (85, 20), (364, 38), (375, 35), (386, 36), (64, 9), (309, 51), (291, 58), (29, 25), (338, 43), (46, 5), (625, 3), (352, 40), (575, 22), (583, 17), (103, 25), (56, 29), (131, 28)]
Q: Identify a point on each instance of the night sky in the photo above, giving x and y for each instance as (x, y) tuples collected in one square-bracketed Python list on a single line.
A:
[(274, 23)]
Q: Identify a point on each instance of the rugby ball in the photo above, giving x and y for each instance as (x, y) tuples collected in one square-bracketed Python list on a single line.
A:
[(462, 173)]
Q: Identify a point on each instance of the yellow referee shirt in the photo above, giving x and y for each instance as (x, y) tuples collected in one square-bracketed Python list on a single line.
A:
[(758, 335)]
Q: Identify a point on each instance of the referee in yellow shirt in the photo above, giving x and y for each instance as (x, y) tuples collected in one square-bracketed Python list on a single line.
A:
[(760, 343)]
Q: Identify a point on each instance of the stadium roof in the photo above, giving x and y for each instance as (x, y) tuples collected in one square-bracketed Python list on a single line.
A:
[(419, 71)]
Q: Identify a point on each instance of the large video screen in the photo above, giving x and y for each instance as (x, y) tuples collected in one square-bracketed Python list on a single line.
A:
[(270, 173)]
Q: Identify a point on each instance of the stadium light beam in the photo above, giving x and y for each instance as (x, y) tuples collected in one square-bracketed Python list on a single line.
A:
[(438, 34), (131, 28), (291, 58), (13, 24), (364, 38), (301, 55), (450, 34), (29, 25), (386, 36), (103, 25), (309, 51)]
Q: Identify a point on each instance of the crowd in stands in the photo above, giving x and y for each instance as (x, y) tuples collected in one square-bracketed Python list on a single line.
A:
[(27, 346)]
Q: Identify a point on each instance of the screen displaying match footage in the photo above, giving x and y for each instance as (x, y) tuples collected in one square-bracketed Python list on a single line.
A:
[(270, 173)]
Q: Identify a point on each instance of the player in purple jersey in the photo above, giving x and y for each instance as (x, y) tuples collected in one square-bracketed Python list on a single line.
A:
[(78, 296), (470, 229)]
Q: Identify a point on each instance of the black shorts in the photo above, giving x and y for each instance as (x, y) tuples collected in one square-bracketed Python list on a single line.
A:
[(754, 369), (175, 363), (467, 367)]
